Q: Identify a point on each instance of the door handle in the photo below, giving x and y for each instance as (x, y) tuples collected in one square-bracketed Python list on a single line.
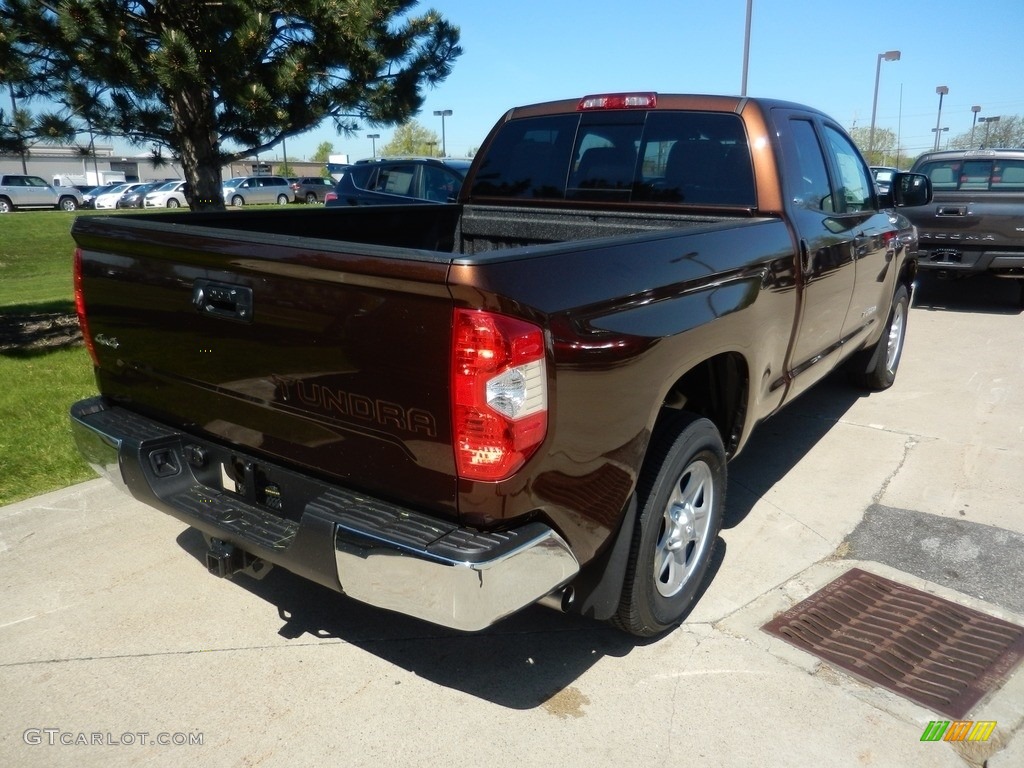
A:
[(231, 302), (805, 258)]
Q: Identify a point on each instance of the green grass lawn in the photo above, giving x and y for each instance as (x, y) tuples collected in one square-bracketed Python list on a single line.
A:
[(36, 450), (38, 383)]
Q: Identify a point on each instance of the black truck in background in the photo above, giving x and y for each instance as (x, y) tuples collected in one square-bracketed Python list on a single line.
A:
[(456, 411)]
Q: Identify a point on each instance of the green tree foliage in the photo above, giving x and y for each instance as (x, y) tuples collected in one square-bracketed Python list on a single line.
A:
[(884, 150), (214, 82), (1006, 132), (323, 153), (412, 138), (20, 130)]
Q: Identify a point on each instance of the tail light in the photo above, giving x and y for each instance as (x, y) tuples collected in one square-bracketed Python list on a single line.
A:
[(329, 196), (499, 393), (83, 321)]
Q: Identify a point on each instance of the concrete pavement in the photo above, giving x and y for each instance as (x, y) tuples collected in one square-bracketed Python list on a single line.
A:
[(114, 638)]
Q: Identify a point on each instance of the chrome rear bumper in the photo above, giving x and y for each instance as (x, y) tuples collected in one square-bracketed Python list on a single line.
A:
[(376, 552)]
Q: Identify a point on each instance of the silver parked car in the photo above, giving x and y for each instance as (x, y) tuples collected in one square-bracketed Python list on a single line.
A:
[(249, 190), (21, 191)]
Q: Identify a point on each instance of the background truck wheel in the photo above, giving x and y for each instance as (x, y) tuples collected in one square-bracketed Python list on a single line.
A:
[(68, 204), (681, 495), (875, 368)]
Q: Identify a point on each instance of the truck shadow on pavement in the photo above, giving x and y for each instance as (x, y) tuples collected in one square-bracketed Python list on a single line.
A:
[(529, 660), (778, 444), (983, 293)]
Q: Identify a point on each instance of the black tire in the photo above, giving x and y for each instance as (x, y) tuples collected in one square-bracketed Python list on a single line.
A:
[(237, 201), (282, 200), (68, 204), (875, 368), (681, 500), (310, 198), (6, 206), (172, 202)]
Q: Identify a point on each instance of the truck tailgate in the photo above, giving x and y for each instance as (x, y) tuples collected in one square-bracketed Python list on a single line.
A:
[(328, 361)]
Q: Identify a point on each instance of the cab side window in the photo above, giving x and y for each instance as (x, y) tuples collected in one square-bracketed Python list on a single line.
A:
[(854, 182), (813, 190)]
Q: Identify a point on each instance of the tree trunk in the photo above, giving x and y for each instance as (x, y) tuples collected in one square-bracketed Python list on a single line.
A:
[(200, 152)]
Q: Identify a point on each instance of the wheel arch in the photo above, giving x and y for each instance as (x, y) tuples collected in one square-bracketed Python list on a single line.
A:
[(717, 389)]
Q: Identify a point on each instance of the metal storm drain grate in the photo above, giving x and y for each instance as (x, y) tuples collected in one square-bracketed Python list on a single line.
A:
[(932, 651)]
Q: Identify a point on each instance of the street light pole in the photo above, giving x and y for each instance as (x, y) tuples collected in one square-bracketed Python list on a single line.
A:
[(443, 113), (942, 90), (988, 121), (373, 142), (746, 47), (975, 109), (887, 56)]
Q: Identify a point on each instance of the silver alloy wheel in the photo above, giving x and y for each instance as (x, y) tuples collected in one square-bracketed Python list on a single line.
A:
[(68, 204), (237, 201), (684, 529), (896, 330)]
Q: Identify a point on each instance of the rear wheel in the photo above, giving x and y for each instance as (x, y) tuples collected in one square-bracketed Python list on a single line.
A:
[(5, 205), (681, 495), (282, 199), (875, 368), (311, 197)]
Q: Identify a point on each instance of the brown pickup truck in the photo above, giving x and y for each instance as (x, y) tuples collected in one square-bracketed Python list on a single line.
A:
[(456, 411)]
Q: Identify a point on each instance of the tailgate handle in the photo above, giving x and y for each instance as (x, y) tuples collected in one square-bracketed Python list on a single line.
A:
[(952, 210), (231, 302)]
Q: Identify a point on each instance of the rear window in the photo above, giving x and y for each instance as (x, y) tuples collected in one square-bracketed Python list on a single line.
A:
[(968, 174), (693, 158)]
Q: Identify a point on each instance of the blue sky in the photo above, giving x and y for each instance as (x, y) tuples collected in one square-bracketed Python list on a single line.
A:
[(818, 52)]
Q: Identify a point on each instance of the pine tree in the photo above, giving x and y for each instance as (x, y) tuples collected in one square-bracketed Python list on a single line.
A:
[(214, 82)]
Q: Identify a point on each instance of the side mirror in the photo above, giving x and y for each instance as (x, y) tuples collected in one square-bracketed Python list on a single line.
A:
[(907, 190)]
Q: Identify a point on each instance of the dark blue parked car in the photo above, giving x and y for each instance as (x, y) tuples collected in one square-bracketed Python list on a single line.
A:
[(397, 181)]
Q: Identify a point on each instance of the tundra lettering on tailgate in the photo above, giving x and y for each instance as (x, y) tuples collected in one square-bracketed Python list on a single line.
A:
[(355, 408)]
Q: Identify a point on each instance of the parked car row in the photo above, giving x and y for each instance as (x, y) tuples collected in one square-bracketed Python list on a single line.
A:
[(367, 182)]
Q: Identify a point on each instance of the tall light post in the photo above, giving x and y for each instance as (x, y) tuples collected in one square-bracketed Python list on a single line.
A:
[(887, 56), (373, 141), (988, 121), (975, 109), (443, 113), (746, 47), (942, 90)]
